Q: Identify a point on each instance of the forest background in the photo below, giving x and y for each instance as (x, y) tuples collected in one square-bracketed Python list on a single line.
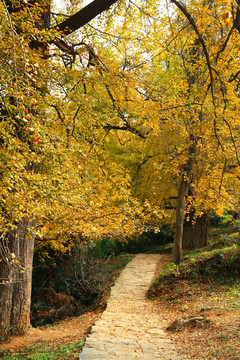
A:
[(113, 128)]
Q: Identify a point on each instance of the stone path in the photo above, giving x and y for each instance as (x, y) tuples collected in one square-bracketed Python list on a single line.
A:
[(130, 328)]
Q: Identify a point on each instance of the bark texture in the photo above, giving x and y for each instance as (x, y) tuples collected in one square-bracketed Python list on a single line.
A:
[(15, 293), (195, 234), (6, 292)]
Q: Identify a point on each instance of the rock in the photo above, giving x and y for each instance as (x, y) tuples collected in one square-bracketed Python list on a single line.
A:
[(61, 312), (185, 321), (52, 312)]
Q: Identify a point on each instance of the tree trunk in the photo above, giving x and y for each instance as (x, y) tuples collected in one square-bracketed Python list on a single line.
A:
[(6, 291), (177, 250), (16, 272), (195, 234), (187, 169), (22, 286)]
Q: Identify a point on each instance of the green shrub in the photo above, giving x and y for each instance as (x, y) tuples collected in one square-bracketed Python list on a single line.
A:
[(220, 221), (221, 266), (106, 247)]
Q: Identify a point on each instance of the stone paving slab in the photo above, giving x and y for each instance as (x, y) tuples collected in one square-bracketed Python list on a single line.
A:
[(130, 328)]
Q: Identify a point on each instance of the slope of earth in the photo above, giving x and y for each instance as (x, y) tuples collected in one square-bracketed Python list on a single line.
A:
[(66, 331), (215, 305)]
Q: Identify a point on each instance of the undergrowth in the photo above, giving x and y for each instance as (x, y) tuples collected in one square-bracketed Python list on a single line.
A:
[(206, 284), (50, 351), (85, 280), (46, 352), (217, 265)]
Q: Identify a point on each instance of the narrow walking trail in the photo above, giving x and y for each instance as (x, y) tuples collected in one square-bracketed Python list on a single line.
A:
[(130, 328)]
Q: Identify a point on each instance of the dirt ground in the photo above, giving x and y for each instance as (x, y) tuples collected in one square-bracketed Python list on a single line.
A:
[(64, 332), (217, 337)]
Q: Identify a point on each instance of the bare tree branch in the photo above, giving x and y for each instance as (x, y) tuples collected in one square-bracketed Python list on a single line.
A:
[(83, 16), (184, 10)]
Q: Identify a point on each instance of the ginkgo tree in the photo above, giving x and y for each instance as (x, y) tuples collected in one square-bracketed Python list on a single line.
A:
[(56, 180), (185, 95), (175, 77), (213, 136)]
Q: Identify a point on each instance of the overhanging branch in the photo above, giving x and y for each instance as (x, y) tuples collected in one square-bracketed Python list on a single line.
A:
[(83, 16)]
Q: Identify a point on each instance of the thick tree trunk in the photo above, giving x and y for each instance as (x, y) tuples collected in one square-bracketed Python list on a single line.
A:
[(16, 275), (195, 234), (6, 291), (22, 286)]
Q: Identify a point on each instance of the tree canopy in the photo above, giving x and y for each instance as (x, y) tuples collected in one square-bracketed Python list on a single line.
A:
[(118, 124)]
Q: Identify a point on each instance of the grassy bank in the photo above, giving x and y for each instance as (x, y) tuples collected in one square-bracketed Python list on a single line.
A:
[(206, 285), (46, 352)]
